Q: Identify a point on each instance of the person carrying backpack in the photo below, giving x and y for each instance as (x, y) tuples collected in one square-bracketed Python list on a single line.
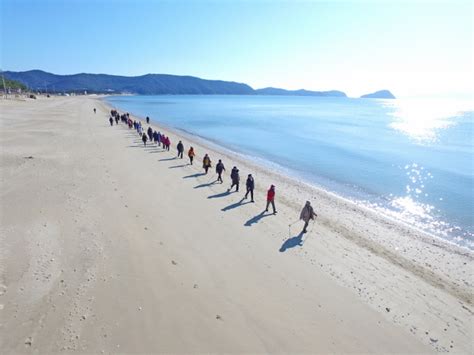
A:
[(219, 169), (206, 163), (191, 155), (307, 214)]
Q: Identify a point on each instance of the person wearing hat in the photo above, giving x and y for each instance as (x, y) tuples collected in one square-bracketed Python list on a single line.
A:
[(307, 213), (234, 175), (250, 184), (271, 199)]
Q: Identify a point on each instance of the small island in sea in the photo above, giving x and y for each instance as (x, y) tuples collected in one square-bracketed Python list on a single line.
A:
[(381, 94)]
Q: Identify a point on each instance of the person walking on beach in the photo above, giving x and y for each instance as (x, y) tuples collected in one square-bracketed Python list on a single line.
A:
[(191, 155), (144, 139), (180, 148), (116, 119), (250, 184), (150, 134), (206, 163), (234, 175), (160, 138), (111, 120), (147, 119), (168, 143), (220, 168), (95, 110), (307, 214), (271, 199)]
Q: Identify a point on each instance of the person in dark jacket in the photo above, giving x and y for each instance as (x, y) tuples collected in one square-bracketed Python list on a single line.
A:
[(144, 139), (250, 184), (219, 170), (180, 148), (150, 134), (307, 214), (95, 110), (111, 120), (234, 175), (271, 199), (147, 119)]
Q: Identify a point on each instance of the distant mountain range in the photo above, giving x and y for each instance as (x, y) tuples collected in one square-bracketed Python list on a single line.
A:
[(149, 84)]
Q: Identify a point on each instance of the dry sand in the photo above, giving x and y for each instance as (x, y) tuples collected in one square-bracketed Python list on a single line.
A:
[(107, 246)]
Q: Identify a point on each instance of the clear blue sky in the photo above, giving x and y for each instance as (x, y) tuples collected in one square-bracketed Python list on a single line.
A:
[(411, 47)]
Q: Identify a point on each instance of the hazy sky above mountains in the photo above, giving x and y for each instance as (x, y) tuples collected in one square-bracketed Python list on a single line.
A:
[(414, 48)]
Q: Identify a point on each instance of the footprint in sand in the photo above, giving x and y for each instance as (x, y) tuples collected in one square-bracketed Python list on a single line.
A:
[(3, 289)]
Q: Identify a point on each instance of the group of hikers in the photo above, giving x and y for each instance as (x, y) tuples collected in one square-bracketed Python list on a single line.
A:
[(160, 139)]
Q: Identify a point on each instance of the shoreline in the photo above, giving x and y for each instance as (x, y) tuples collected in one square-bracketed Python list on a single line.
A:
[(116, 247), (387, 247), (282, 173)]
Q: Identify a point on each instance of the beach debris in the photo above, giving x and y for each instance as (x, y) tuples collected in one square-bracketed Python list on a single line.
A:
[(29, 157), (433, 340), (218, 317), (174, 262), (139, 308), (387, 309), (195, 286), (146, 228), (28, 341), (83, 317)]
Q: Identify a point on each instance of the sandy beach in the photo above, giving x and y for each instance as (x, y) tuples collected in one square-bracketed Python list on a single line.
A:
[(108, 246)]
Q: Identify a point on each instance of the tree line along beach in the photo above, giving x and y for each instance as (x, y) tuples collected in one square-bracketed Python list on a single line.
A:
[(112, 246)]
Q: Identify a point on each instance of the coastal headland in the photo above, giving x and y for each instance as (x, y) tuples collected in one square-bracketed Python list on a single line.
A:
[(110, 246)]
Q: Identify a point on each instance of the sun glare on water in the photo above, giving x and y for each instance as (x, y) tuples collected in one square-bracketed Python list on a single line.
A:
[(422, 120)]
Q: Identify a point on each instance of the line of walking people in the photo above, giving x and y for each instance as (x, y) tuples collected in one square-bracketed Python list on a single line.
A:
[(161, 139)]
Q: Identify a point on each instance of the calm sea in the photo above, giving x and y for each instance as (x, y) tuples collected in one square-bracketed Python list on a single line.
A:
[(410, 159)]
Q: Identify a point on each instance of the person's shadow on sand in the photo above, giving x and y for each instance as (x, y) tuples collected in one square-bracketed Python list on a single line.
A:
[(194, 175), (205, 185), (235, 205), (257, 218), (222, 194), (167, 159), (292, 242)]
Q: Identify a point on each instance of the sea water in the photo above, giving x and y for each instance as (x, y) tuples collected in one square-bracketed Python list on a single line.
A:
[(411, 159)]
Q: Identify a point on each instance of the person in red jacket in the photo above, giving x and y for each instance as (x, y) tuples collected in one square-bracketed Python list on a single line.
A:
[(271, 199)]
